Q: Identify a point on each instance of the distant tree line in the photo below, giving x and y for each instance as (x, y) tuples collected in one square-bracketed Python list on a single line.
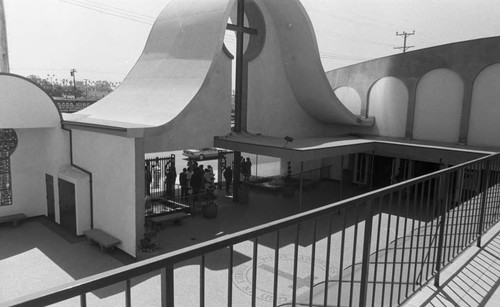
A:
[(65, 88)]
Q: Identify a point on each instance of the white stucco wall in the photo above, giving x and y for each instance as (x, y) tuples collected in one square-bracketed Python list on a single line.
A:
[(39, 152), (111, 160), (269, 90), (206, 116), (438, 106), (350, 98), (485, 110), (388, 103)]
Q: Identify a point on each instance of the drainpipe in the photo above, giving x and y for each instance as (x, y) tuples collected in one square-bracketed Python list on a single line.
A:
[(85, 171)]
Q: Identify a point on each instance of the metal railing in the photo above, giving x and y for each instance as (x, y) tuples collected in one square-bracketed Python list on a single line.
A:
[(371, 250)]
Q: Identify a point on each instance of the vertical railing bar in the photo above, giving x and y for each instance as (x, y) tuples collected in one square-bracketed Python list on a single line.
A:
[(477, 215), (387, 243), (454, 219), (313, 261), (447, 232), (202, 281), (487, 214), (365, 262), (436, 216), (410, 263), (421, 215), (341, 266), (497, 190), (472, 211), (276, 266), (489, 204), (230, 276), (484, 182), (395, 249), (354, 248), (405, 227), (83, 300), (427, 239), (128, 301), (443, 187), (377, 248), (167, 285), (254, 272), (496, 194), (460, 217), (490, 195), (465, 216), (328, 251), (295, 265), (463, 213)]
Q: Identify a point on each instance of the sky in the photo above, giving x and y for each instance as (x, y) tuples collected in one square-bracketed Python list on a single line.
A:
[(102, 39)]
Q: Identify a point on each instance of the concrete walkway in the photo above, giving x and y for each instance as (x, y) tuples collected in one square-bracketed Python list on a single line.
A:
[(472, 279)]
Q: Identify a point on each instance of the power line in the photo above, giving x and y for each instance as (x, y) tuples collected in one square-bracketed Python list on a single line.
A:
[(130, 16), (405, 35), (127, 12)]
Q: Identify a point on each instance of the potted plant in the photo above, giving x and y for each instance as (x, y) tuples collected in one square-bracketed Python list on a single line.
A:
[(209, 205)]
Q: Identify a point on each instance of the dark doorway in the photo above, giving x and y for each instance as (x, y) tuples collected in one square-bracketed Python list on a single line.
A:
[(49, 187), (67, 205), (382, 172), (424, 168)]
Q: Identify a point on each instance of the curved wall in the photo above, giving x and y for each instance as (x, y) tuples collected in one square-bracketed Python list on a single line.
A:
[(438, 106), (350, 98), (275, 110), (25, 105), (485, 110), (388, 103)]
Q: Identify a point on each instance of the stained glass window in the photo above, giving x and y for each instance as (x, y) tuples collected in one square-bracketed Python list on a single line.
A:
[(8, 144)]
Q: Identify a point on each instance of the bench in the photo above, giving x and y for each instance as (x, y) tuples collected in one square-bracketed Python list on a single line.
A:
[(100, 237), (176, 217), (14, 218)]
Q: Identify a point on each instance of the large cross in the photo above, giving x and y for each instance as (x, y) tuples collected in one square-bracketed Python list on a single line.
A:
[(240, 30)]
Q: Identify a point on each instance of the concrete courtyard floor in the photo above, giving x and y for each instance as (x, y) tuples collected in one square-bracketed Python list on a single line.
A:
[(38, 255)]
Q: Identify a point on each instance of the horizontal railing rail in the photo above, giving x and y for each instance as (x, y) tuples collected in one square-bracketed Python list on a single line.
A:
[(388, 243)]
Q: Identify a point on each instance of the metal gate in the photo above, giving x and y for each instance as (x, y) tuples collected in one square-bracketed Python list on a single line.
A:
[(158, 168), (226, 158)]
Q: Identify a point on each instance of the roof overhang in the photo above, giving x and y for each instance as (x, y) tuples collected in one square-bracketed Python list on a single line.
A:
[(304, 149)]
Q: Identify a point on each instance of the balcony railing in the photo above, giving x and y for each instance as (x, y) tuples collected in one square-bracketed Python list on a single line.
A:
[(374, 249)]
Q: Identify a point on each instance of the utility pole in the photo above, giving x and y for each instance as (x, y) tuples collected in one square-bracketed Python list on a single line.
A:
[(405, 35), (72, 72), (4, 51)]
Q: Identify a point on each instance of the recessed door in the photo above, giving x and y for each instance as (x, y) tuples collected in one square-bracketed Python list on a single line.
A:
[(49, 186), (67, 205)]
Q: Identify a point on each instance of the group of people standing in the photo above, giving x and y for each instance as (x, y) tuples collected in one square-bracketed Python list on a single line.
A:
[(194, 177)]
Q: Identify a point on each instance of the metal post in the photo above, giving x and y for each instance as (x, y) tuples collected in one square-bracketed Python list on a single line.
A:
[(167, 286), (372, 162), (442, 202), (365, 266), (238, 97), (485, 179), (341, 175), (301, 185)]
